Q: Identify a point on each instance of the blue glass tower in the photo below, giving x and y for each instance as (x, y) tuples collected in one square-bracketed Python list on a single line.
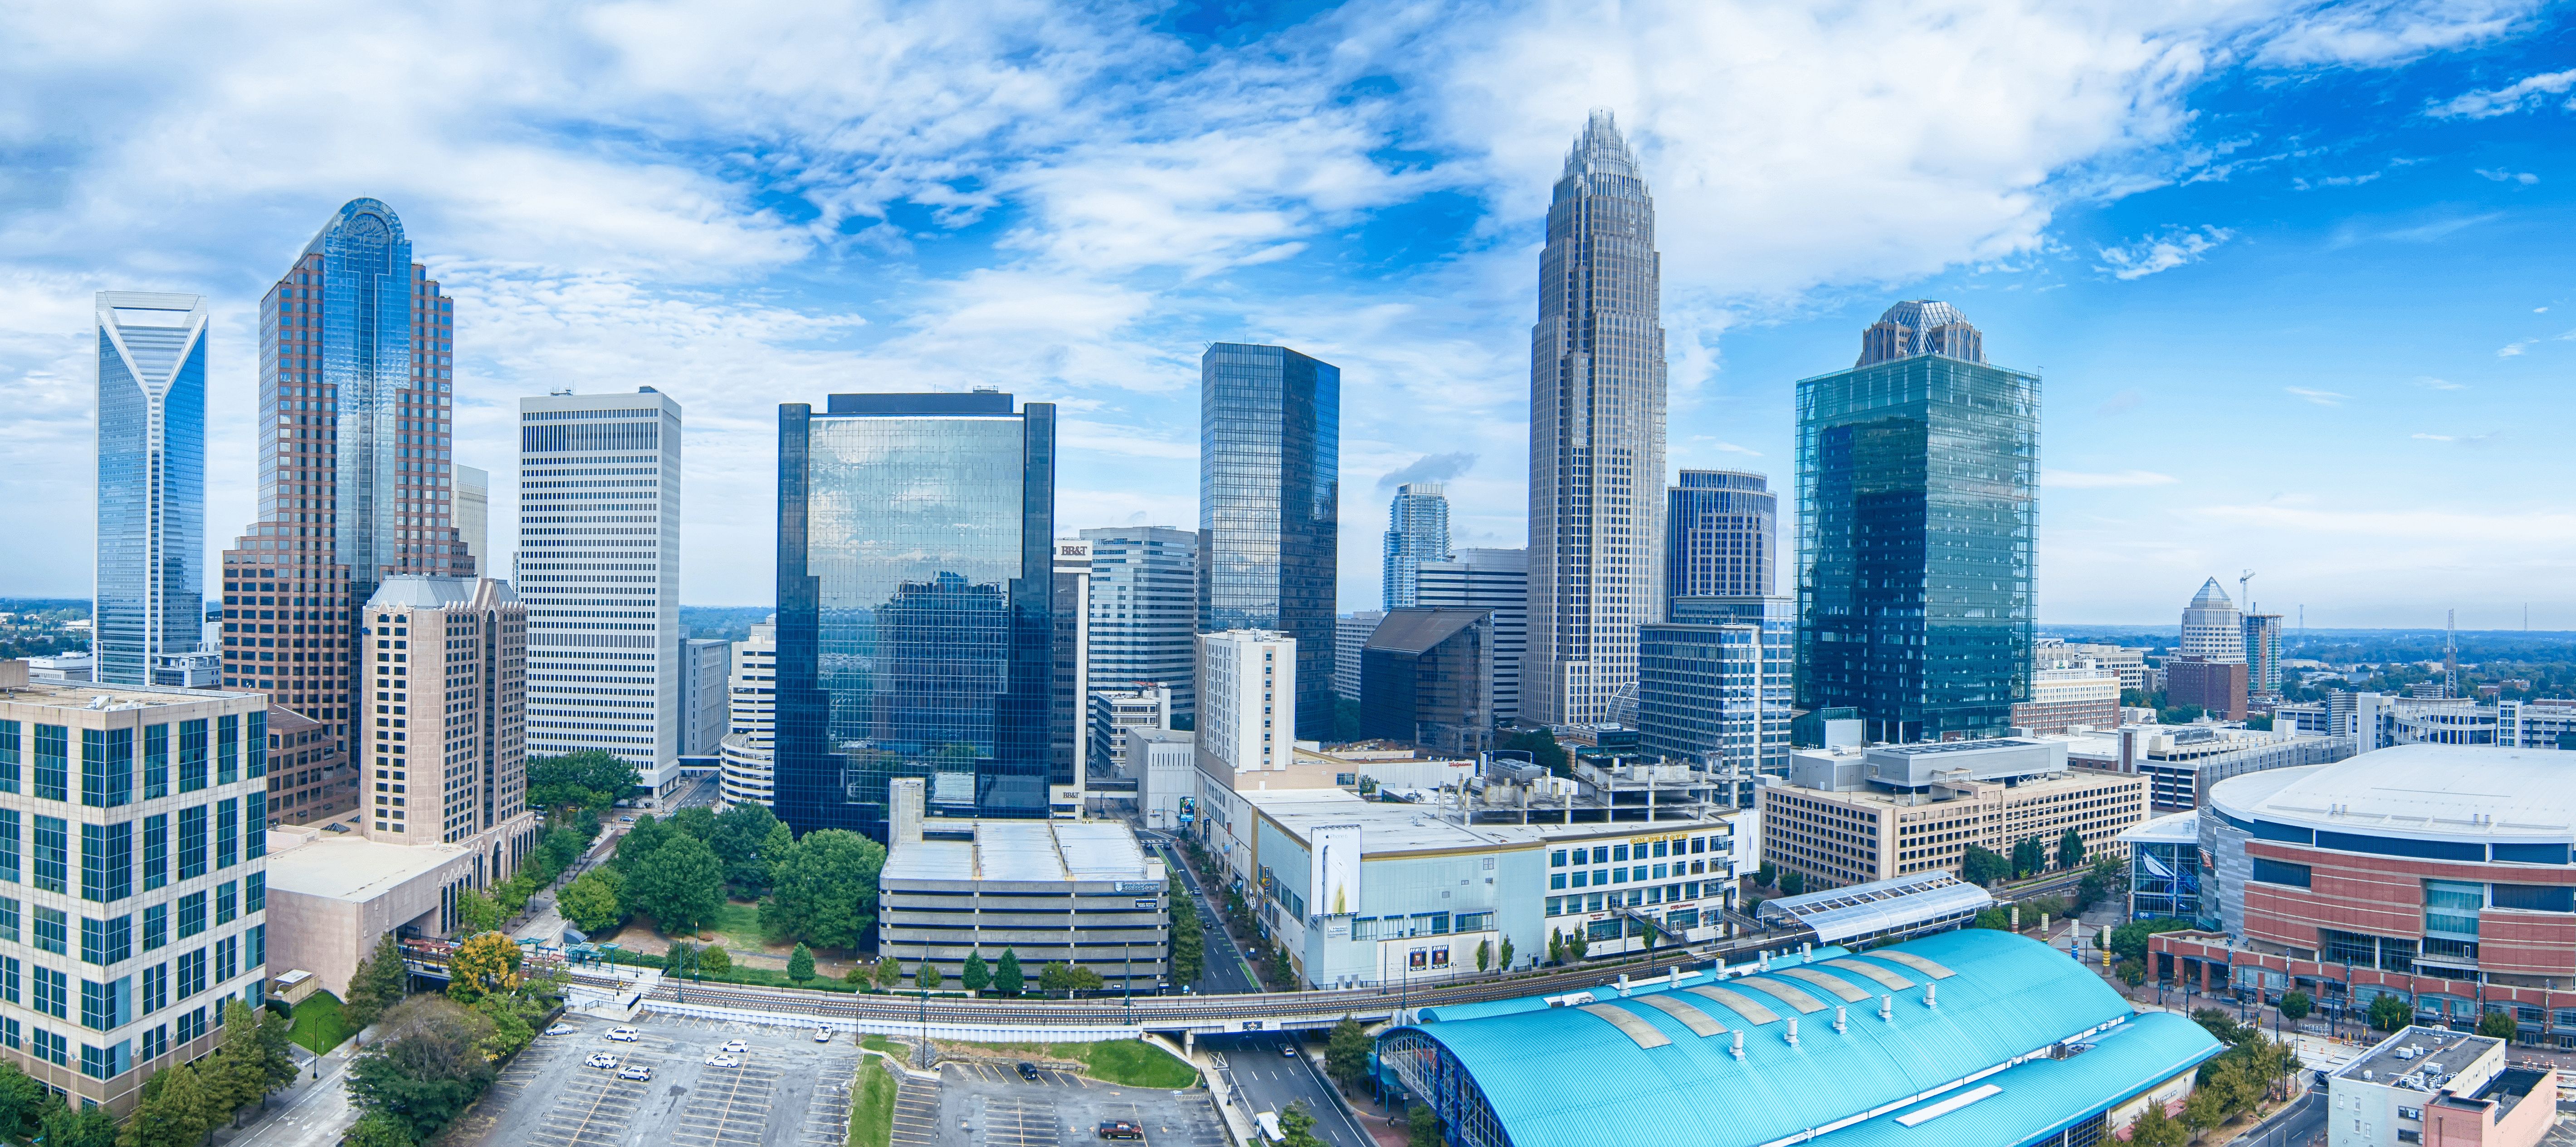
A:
[(1417, 531), (915, 584), (151, 481), (1270, 460), (1918, 503)]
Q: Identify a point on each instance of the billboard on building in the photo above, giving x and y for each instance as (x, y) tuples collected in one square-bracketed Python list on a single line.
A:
[(1334, 870)]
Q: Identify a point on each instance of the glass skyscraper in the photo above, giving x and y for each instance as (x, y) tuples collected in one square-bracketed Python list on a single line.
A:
[(1918, 500), (1417, 531), (1722, 528), (357, 399), (915, 586), (1714, 686), (1596, 476), (151, 482), (1270, 462), (1144, 611)]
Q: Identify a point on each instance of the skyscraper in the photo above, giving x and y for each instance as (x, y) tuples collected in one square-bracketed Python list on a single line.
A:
[(1596, 484), (1350, 635), (1724, 527), (1918, 498), (1496, 581), (916, 541), (357, 398), (2211, 626), (2263, 653), (474, 517), (1417, 531), (1144, 610), (459, 774), (599, 569), (747, 777), (151, 484), (1069, 695), (1714, 687), (1270, 506)]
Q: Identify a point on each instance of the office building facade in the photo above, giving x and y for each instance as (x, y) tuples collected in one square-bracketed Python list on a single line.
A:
[(357, 467), (135, 837), (2211, 626), (1248, 695), (1596, 473), (745, 773), (1852, 816), (1417, 531), (2217, 686), (916, 543), (1496, 581), (1426, 679), (599, 572), (2263, 654), (1118, 713), (706, 703), (474, 519), (149, 605), (1270, 434), (309, 776), (447, 690), (1918, 503), (1714, 687), (1722, 531), (1069, 693), (1350, 635), (2063, 699), (1144, 610)]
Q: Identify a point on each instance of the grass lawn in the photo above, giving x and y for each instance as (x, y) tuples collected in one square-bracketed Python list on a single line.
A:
[(739, 923), (881, 1043), (872, 1109), (1137, 1064), (320, 1025)]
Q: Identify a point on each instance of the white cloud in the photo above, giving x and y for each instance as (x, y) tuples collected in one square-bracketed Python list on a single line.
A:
[(2302, 183), (2500, 175), (2525, 93), (2173, 248), (2114, 480), (1732, 448), (2518, 346), (2457, 439), (2375, 33), (2430, 383), (2319, 397)]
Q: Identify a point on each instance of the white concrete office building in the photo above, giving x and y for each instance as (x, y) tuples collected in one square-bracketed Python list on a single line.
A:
[(1145, 610), (599, 569), (747, 752), (1247, 702), (706, 665)]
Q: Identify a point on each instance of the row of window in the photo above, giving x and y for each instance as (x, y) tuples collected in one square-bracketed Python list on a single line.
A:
[(1631, 898), (39, 758), (1620, 853), (108, 850), (1604, 877)]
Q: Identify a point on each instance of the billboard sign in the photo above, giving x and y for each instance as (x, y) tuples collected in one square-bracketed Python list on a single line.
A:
[(1333, 870)]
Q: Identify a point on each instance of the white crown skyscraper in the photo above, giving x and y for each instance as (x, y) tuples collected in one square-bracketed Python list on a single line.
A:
[(1596, 482)]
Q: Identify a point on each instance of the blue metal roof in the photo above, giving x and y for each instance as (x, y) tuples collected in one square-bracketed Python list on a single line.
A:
[(2036, 1100), (1560, 1077), (1608, 990)]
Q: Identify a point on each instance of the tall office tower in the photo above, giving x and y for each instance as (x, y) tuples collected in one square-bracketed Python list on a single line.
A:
[(1596, 484), (1723, 527), (746, 777), (1069, 694), (1270, 461), (599, 569), (1427, 679), (474, 517), (464, 691), (1417, 531), (164, 781), (1350, 635), (151, 485), (2263, 654), (706, 664), (357, 484), (1144, 610), (1714, 687), (1248, 693), (2211, 626), (1918, 499), (916, 543), (1496, 581)]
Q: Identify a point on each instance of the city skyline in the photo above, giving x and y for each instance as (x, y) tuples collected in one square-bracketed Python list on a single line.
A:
[(2158, 256)]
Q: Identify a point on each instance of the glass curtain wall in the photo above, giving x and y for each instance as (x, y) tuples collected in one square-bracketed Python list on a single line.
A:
[(151, 481), (1270, 507)]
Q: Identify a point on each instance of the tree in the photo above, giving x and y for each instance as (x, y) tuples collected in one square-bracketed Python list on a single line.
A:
[(2028, 856), (1484, 955), (173, 1112), (824, 889), (739, 838), (484, 963), (697, 822), (377, 1130), (379, 983), (927, 977), (889, 972), (1297, 1126), (1979, 865), (1556, 945), (715, 961), (1793, 883), (265, 1040), (1505, 959), (2132, 972), (976, 975), (589, 779), (2070, 850), (1422, 1128), (2296, 1006), (62, 1127), (591, 902), (2219, 1024), (800, 964), (2129, 941), (476, 912), (2157, 1129), (425, 1066), (1189, 941), (2206, 1108), (2497, 1025), (1541, 745), (642, 839), (680, 884), (1994, 918), (1346, 1051), (1068, 978), (562, 847), (680, 958), (2389, 1013), (22, 1100), (1768, 873), (1577, 943), (1007, 979)]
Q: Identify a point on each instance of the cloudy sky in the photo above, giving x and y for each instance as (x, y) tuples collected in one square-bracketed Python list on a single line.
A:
[(2298, 275)]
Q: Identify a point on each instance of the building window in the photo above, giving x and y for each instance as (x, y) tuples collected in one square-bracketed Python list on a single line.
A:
[(2278, 872), (53, 930), (192, 914), (227, 902), (227, 833), (106, 941), (156, 851), (156, 926), (53, 773), (156, 761), (192, 755), (52, 994), (192, 842), (107, 861)]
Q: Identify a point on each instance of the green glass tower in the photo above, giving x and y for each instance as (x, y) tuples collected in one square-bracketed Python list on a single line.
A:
[(1918, 504)]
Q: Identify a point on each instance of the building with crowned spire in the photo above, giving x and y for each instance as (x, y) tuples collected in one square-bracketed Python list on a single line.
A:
[(1918, 502), (1596, 478), (2211, 626)]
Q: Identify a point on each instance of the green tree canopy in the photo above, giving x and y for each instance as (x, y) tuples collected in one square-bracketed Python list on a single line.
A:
[(1346, 1052), (975, 974), (1980, 865), (800, 964), (2028, 856), (1541, 745), (379, 983), (824, 890), (680, 884), (2389, 1013), (63, 1127), (741, 838), (2129, 941), (697, 822), (2296, 1005), (1007, 978), (2070, 850), (889, 972), (927, 977), (2496, 1025), (591, 901), (641, 840), (173, 1112), (588, 779), (22, 1100), (426, 1064)]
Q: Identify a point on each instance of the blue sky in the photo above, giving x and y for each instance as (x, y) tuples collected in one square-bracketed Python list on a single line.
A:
[(2298, 275)]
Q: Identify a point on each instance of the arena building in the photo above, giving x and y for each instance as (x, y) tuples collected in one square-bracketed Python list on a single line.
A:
[(1973, 1038), (2438, 873)]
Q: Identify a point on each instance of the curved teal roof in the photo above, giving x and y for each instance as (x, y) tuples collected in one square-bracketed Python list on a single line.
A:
[(1445, 1013), (1563, 1077)]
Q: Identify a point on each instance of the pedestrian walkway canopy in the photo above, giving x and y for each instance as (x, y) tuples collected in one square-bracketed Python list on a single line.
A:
[(1905, 906)]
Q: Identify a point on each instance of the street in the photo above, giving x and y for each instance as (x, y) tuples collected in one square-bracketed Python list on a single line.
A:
[(1268, 1079), (1226, 970)]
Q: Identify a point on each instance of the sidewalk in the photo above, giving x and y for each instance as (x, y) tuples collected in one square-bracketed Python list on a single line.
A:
[(310, 1113)]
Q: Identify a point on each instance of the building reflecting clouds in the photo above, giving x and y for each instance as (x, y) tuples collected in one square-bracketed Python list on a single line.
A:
[(151, 482), (1270, 507)]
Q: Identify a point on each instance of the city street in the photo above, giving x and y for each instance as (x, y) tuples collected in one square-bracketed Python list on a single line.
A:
[(1266, 1079), (1226, 970)]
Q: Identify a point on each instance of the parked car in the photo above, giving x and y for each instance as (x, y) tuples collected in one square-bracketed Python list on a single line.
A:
[(822, 1035), (1120, 1129), (623, 1035), (1028, 1071), (560, 1029), (634, 1071), (734, 1046), (723, 1061), (601, 1059)]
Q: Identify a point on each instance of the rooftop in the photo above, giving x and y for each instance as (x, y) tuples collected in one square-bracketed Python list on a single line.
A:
[(2418, 1057), (86, 695), (349, 867), (2172, 828), (1387, 829), (1026, 851), (2446, 791), (1880, 906)]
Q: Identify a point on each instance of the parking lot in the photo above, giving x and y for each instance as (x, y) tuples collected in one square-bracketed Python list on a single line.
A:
[(787, 1092), (989, 1105)]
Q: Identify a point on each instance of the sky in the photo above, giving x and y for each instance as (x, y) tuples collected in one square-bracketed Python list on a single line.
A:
[(2297, 276)]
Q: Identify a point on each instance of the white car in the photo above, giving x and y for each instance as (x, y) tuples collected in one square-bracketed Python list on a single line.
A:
[(623, 1035), (734, 1046), (822, 1035), (723, 1061), (601, 1059), (634, 1071), (560, 1029)]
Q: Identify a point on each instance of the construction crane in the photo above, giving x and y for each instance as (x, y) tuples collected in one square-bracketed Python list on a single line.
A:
[(2243, 602)]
